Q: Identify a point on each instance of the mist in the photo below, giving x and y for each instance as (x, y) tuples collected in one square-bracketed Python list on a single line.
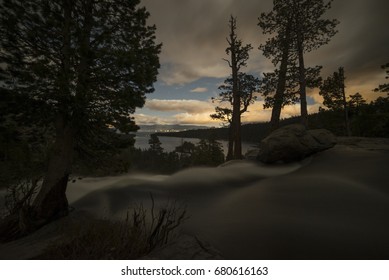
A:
[(320, 208)]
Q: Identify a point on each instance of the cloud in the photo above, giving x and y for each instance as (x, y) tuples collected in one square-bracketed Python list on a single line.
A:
[(182, 118), (195, 119), (187, 106), (256, 113), (184, 112), (199, 89), (194, 34), (196, 112), (142, 119), (182, 73)]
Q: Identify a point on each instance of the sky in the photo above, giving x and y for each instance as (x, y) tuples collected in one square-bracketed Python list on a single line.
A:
[(193, 34)]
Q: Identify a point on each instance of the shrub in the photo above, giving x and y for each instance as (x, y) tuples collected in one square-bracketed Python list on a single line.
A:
[(134, 237)]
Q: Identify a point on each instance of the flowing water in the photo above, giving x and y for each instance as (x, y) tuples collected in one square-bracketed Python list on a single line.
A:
[(334, 205)]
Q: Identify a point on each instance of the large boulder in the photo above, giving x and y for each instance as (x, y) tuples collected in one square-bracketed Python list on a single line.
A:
[(293, 143)]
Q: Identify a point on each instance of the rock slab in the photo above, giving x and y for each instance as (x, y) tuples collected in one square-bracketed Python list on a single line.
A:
[(185, 247), (293, 143)]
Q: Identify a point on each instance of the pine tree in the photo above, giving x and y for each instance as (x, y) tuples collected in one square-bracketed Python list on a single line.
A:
[(186, 148), (89, 63), (290, 96), (208, 152), (239, 55), (356, 100), (155, 145), (279, 49), (312, 31), (298, 27), (333, 92), (384, 87), (247, 86)]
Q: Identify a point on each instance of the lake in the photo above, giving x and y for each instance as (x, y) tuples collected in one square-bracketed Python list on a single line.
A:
[(170, 143)]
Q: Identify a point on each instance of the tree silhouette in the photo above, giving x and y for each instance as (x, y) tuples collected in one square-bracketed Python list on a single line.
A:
[(278, 49), (239, 55), (384, 87), (208, 152), (333, 92), (299, 27), (312, 31), (290, 95), (247, 85), (155, 145), (90, 63), (356, 101), (185, 148)]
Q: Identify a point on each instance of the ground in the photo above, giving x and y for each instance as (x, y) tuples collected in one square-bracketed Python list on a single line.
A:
[(333, 205)]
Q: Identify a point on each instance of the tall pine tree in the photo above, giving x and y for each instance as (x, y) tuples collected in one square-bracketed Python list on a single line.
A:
[(312, 31), (89, 63), (279, 49), (239, 55), (297, 27), (247, 86)]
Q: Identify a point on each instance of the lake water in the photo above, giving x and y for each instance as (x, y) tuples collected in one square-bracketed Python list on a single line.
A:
[(170, 143)]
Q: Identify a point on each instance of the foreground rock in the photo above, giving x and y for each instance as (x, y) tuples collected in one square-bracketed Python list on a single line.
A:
[(293, 143), (36, 243), (62, 232), (185, 247)]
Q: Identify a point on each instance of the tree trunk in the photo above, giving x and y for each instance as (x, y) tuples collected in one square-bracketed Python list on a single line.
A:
[(279, 95), (230, 152), (346, 118), (302, 81), (237, 60), (235, 124), (238, 140), (236, 114), (51, 201), (345, 107)]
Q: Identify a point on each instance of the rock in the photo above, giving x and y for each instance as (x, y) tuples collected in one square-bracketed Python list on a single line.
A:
[(35, 244), (363, 143), (324, 137), (251, 154), (231, 162), (293, 143), (185, 247)]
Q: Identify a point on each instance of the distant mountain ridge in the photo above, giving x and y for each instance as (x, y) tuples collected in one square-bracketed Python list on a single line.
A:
[(370, 120), (252, 132)]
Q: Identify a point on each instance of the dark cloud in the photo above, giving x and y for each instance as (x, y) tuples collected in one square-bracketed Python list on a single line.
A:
[(362, 42), (193, 33)]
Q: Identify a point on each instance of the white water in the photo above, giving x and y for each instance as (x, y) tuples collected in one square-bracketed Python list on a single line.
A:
[(335, 206), (332, 206)]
